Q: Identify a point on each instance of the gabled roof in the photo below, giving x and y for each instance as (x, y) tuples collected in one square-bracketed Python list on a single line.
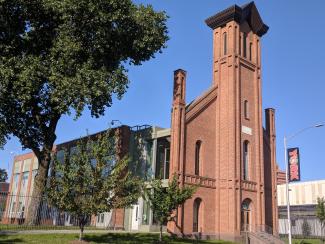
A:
[(200, 103), (247, 12)]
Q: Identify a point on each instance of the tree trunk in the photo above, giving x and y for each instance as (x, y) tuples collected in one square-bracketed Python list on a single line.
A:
[(81, 226), (82, 222), (160, 234), (35, 212)]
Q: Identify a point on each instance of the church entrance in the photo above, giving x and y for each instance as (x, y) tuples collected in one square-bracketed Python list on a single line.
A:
[(246, 215)]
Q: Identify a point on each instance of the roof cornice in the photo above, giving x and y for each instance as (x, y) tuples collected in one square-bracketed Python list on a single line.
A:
[(247, 12)]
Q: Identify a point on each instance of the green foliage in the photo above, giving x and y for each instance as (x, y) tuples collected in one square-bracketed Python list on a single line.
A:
[(3, 175), (305, 228), (91, 180), (62, 56), (320, 212), (165, 200)]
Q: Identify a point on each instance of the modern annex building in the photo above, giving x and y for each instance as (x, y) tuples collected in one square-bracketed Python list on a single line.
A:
[(216, 141), (148, 149), (303, 200)]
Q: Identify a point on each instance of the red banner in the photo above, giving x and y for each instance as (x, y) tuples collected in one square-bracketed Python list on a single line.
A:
[(294, 164)]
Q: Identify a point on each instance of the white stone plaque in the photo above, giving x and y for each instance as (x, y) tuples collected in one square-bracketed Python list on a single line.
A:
[(246, 130)]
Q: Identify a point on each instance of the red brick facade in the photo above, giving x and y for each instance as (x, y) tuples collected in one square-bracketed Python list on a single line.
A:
[(4, 187), (213, 136), (281, 176)]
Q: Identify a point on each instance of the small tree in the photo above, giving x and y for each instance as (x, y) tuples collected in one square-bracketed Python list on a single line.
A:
[(320, 213), (3, 175), (90, 181), (165, 200), (305, 228)]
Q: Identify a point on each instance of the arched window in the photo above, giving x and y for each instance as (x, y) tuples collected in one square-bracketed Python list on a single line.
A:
[(246, 215), (246, 160), (197, 157), (224, 43), (196, 214), (246, 109), (239, 44), (244, 45), (250, 51)]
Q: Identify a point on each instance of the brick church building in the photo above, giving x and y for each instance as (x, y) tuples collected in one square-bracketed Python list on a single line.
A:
[(218, 140)]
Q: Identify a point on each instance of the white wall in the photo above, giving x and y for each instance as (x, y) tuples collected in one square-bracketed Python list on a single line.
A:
[(315, 227), (303, 193)]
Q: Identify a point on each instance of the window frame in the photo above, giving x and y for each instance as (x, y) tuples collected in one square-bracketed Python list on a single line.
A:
[(250, 51), (225, 43), (246, 160), (246, 109), (198, 157), (245, 45), (197, 205)]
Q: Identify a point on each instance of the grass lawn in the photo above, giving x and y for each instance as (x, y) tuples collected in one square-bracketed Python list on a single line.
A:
[(96, 238), (306, 241)]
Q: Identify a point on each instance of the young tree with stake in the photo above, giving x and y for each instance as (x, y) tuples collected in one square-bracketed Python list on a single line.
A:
[(92, 181), (165, 200)]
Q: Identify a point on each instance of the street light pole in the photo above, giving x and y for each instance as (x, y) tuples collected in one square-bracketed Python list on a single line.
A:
[(287, 190), (287, 173), (13, 154)]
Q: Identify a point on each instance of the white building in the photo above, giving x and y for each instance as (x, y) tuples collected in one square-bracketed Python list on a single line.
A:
[(303, 199)]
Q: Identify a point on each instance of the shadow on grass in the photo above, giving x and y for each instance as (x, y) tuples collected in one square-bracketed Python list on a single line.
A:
[(136, 238), (7, 239), (121, 238)]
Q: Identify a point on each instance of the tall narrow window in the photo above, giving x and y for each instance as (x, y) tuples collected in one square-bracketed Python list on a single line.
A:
[(239, 44), (250, 51), (246, 109), (197, 157), (196, 215), (162, 158), (257, 46), (246, 160), (224, 43), (244, 45), (167, 157)]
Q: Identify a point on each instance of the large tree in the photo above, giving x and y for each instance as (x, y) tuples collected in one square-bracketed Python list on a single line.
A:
[(3, 175), (59, 57), (92, 180)]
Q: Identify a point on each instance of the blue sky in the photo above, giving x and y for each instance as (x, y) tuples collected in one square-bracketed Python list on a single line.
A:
[(292, 71)]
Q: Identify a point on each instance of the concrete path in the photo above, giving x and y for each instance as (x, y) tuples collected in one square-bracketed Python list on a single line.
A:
[(74, 231)]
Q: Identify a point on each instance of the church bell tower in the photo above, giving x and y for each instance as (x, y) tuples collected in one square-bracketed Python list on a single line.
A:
[(237, 33)]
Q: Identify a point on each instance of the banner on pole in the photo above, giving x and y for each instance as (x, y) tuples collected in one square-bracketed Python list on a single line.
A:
[(294, 164)]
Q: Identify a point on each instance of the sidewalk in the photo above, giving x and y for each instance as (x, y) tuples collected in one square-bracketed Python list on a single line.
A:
[(74, 231)]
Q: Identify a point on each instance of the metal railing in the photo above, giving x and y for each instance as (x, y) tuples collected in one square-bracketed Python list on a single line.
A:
[(14, 214), (256, 228)]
